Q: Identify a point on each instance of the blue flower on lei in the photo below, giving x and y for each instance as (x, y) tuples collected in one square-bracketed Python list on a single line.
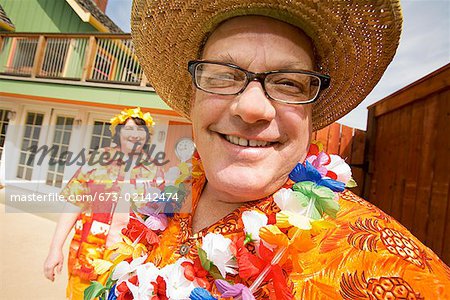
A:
[(201, 294), (308, 173)]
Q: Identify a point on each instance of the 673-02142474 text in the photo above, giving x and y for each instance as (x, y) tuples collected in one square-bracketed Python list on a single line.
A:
[(103, 196)]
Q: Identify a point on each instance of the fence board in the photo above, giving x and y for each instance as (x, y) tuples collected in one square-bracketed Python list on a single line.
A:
[(384, 151), (334, 137), (322, 136), (441, 178), (445, 256), (412, 168), (358, 176), (425, 179), (401, 146), (358, 147), (345, 146)]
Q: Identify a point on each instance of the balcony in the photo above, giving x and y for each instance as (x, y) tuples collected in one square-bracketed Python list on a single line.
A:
[(98, 58)]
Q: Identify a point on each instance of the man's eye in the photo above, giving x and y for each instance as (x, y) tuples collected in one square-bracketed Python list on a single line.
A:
[(220, 79), (224, 76), (287, 82), (290, 85)]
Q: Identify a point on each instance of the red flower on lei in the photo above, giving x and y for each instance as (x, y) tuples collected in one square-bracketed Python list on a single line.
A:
[(138, 230)]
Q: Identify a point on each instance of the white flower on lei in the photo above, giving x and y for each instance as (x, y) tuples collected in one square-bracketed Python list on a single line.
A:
[(146, 274), (124, 270), (339, 167), (288, 200), (177, 286), (218, 250), (253, 221), (172, 175)]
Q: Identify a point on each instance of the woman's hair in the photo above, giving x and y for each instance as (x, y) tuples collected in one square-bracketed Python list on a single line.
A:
[(139, 122)]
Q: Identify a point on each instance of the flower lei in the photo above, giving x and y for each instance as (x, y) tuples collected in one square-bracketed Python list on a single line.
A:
[(277, 240), (131, 113)]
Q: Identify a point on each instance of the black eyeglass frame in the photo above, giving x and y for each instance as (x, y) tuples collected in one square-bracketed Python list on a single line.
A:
[(324, 80)]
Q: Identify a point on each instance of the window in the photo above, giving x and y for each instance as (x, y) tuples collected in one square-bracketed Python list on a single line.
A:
[(101, 136), (4, 121), (30, 138), (61, 139)]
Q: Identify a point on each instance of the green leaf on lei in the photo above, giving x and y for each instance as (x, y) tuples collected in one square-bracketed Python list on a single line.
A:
[(110, 282), (215, 273), (301, 198), (206, 264), (351, 183), (95, 290), (248, 238), (324, 199)]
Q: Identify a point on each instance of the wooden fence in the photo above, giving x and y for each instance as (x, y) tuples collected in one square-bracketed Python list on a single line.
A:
[(349, 143), (408, 153)]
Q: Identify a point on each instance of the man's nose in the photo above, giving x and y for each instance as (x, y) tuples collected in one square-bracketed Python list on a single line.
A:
[(252, 105)]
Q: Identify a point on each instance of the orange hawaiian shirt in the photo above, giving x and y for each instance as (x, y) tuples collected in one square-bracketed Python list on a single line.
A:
[(367, 255)]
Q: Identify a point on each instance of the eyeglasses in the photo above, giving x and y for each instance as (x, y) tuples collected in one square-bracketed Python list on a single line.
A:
[(287, 86)]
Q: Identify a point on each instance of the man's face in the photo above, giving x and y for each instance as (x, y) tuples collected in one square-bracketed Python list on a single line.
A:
[(280, 131)]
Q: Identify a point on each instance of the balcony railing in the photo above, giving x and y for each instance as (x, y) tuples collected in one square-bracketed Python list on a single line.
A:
[(107, 58)]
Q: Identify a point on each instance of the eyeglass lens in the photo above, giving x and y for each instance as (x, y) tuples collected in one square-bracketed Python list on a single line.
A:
[(284, 86)]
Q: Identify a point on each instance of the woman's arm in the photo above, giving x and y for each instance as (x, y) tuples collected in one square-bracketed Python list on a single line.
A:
[(55, 258)]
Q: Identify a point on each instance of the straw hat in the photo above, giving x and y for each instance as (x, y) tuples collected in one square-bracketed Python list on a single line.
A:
[(354, 43)]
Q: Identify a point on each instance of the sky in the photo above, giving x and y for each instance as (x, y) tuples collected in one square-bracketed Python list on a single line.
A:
[(424, 47)]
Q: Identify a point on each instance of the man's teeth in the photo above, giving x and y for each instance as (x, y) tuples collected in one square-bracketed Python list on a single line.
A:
[(244, 142)]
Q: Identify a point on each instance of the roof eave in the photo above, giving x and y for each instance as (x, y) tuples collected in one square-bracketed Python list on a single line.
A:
[(6, 26), (87, 17)]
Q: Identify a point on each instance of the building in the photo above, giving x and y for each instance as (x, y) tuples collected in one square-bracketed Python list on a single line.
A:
[(65, 70)]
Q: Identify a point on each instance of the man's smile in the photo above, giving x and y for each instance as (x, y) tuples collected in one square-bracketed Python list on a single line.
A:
[(247, 142)]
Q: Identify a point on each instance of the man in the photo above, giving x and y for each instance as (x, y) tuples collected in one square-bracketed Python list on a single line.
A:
[(253, 77)]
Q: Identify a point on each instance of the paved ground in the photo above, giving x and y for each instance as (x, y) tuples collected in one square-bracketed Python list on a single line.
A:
[(24, 242)]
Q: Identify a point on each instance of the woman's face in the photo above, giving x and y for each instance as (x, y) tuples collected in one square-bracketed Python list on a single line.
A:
[(275, 136), (132, 137)]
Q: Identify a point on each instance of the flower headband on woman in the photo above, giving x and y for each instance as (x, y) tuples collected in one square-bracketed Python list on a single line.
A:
[(131, 113)]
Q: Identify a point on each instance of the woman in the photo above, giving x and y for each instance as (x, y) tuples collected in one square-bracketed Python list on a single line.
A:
[(115, 180), (271, 218)]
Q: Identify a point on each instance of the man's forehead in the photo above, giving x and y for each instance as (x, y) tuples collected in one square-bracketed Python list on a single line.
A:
[(252, 23), (241, 39)]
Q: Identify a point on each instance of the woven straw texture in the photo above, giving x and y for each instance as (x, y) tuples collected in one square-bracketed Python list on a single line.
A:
[(354, 42)]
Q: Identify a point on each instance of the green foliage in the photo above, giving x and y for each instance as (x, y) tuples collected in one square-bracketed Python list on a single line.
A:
[(95, 290)]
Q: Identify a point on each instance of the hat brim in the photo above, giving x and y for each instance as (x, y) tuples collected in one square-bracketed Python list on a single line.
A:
[(354, 43)]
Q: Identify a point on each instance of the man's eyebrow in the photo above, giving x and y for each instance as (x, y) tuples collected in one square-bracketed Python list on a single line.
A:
[(280, 65), (225, 57), (293, 65)]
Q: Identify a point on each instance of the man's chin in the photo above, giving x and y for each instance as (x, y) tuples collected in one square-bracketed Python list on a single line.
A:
[(246, 188)]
